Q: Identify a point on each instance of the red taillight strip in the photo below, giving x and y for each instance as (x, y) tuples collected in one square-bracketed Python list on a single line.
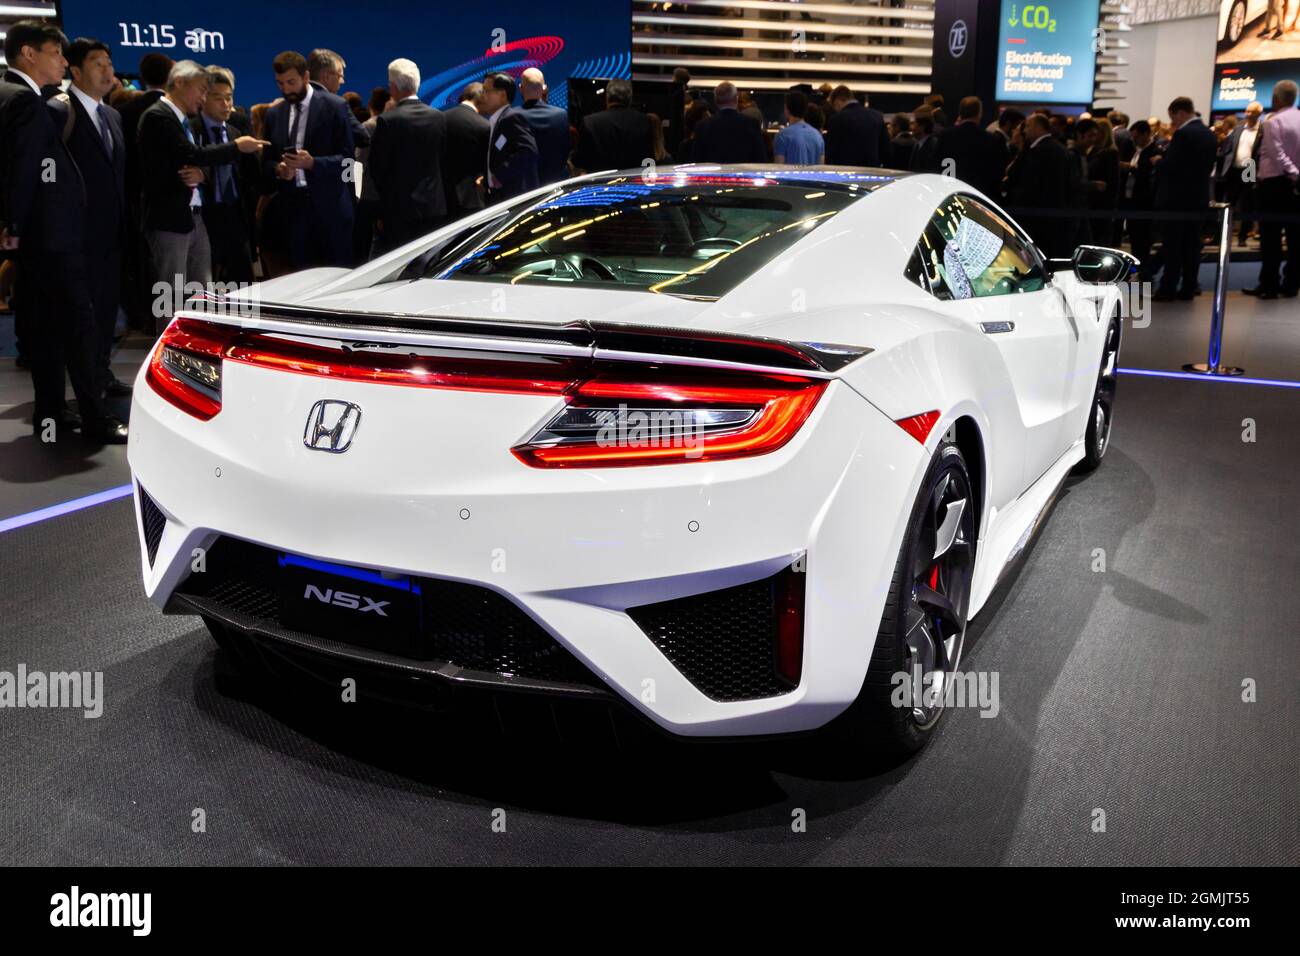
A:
[(529, 375), (734, 390), (783, 400)]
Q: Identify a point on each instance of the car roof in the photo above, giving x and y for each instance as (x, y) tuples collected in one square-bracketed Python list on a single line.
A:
[(862, 177)]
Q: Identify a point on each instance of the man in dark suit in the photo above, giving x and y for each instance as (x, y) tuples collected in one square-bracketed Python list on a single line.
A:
[(1009, 121), (226, 186), (1040, 179), (975, 155), (618, 137), (1138, 194), (1183, 185), (925, 143), (855, 134), (308, 169), (406, 156), (92, 132), (511, 161), (467, 144), (1123, 135), (326, 70), (154, 69), (550, 128), (137, 272), (728, 136), (43, 220), (172, 165), (901, 141)]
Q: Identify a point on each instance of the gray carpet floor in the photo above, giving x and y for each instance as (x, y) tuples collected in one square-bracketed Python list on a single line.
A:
[(1120, 691)]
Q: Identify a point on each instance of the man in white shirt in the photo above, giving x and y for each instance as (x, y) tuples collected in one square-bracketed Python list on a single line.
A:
[(511, 160), (1239, 156), (310, 167)]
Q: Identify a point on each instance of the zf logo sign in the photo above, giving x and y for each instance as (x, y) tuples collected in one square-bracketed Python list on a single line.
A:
[(957, 38)]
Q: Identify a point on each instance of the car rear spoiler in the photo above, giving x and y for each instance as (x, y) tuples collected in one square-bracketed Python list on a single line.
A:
[(581, 337)]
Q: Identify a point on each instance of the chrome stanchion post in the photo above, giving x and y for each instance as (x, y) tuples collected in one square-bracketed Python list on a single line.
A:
[(1212, 365)]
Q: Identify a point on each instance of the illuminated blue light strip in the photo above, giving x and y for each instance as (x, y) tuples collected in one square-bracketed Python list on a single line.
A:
[(401, 582), (67, 507), (1202, 377)]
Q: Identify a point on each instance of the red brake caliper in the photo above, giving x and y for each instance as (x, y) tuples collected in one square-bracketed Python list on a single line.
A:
[(934, 578)]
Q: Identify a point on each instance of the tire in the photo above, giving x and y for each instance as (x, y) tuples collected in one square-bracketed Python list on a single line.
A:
[(1236, 24), (1101, 415), (876, 721)]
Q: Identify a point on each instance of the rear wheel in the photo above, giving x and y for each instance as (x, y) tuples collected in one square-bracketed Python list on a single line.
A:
[(1102, 413), (919, 644), (1236, 22)]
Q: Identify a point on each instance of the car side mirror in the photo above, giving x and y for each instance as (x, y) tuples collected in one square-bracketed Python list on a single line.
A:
[(1097, 265)]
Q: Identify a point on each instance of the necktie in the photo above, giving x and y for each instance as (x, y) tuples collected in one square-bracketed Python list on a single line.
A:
[(299, 179), (224, 186), (296, 108), (104, 133)]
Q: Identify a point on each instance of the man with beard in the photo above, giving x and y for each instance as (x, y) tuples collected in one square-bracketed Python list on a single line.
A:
[(308, 170)]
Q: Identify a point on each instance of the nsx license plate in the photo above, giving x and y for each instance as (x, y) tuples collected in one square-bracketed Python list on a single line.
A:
[(352, 605)]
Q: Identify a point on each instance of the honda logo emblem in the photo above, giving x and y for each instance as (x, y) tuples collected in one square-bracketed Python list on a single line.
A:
[(331, 425)]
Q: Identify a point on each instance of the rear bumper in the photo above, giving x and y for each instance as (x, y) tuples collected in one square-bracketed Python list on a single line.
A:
[(435, 493)]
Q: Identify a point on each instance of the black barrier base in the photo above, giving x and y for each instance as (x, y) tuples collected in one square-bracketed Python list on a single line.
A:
[(1213, 369)]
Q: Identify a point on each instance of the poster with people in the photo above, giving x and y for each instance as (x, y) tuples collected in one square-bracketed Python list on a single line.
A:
[(1258, 45)]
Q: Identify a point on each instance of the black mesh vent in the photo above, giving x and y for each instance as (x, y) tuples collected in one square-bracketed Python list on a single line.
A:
[(463, 624), (153, 522), (724, 642), (482, 630)]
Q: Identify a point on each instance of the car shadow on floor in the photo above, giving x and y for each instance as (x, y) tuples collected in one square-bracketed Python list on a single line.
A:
[(728, 787)]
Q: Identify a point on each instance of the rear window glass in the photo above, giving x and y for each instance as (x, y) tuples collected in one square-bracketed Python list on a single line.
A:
[(693, 236)]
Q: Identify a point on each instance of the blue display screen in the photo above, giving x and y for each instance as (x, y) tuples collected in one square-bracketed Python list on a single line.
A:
[(1047, 52), (451, 45)]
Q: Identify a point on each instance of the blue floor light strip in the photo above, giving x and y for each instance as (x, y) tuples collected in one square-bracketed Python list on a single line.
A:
[(66, 507), (1198, 377)]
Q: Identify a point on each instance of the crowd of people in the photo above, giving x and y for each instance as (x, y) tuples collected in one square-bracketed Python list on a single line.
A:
[(118, 200)]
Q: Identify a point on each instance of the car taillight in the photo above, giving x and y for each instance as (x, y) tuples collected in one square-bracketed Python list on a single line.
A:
[(660, 416), (408, 366), (186, 366)]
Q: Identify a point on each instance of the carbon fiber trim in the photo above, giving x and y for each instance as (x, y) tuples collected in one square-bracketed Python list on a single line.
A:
[(153, 522), (610, 339)]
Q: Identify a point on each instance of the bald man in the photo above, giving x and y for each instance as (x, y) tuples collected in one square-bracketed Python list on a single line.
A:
[(550, 128), (1240, 154)]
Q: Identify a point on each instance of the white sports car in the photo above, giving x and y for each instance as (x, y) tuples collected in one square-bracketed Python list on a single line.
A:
[(739, 450)]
